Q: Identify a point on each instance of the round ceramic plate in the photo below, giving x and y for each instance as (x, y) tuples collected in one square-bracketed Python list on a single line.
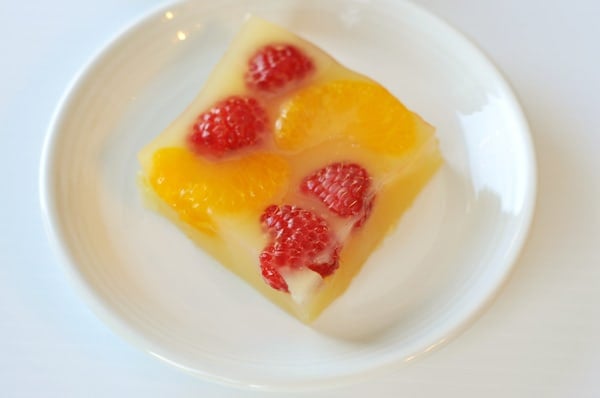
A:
[(448, 256)]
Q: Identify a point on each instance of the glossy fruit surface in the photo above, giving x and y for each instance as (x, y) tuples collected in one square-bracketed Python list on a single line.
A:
[(363, 113), (196, 188)]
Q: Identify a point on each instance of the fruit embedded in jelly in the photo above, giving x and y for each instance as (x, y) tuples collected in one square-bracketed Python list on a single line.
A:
[(360, 112), (197, 188), (277, 66), (289, 168), (232, 123), (298, 239), (345, 188)]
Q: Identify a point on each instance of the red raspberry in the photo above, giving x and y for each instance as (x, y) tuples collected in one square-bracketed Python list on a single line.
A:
[(299, 238), (274, 66), (345, 188), (270, 273), (231, 124)]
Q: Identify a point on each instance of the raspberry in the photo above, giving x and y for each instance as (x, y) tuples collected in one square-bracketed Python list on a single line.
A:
[(274, 66), (299, 238), (231, 124), (345, 188), (270, 273)]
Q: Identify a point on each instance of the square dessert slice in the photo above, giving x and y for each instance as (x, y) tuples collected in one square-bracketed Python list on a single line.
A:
[(288, 168)]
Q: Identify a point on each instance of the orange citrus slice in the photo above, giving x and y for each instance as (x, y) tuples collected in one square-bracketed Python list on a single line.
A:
[(196, 188), (361, 111)]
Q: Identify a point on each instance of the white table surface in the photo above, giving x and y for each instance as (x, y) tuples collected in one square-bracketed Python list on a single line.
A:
[(540, 337)]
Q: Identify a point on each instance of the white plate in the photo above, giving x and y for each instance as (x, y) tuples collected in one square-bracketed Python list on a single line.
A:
[(445, 261)]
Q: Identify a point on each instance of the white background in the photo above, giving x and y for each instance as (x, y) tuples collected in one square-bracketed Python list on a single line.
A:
[(538, 338)]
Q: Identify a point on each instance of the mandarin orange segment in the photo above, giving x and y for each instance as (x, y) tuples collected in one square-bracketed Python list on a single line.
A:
[(360, 111), (197, 188)]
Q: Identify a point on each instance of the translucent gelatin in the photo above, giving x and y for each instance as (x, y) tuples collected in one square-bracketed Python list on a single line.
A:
[(289, 168)]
